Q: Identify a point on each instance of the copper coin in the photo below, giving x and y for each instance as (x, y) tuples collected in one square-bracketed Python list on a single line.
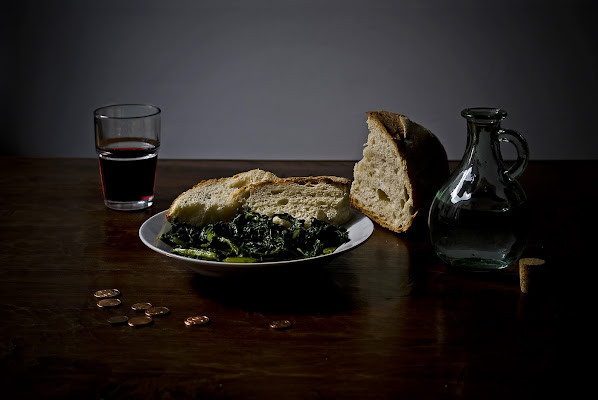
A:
[(156, 311), (141, 306), (281, 324), (106, 293), (107, 303), (140, 321), (197, 320), (118, 319)]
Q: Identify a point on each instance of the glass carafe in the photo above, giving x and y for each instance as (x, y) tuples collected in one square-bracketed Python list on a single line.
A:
[(479, 218)]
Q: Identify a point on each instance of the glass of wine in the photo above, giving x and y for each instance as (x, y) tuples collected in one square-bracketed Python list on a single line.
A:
[(127, 138)]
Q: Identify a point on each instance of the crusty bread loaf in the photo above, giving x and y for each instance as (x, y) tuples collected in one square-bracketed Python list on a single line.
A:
[(403, 166), (322, 197), (212, 200)]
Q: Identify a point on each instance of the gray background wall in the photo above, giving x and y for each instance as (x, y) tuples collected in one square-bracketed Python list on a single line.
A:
[(293, 79)]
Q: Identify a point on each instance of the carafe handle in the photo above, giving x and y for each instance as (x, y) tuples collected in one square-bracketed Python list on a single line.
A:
[(511, 136)]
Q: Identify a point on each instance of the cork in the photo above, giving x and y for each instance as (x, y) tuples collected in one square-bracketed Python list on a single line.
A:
[(528, 273)]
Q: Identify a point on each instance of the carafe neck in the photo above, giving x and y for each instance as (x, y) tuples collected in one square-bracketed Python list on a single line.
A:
[(483, 128)]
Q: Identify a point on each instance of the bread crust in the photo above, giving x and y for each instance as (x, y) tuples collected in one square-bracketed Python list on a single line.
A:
[(300, 180), (240, 190), (421, 156), (337, 212), (305, 180), (379, 219), (172, 210)]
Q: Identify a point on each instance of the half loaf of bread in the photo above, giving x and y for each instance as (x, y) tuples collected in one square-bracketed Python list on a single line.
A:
[(322, 197), (403, 166), (212, 200)]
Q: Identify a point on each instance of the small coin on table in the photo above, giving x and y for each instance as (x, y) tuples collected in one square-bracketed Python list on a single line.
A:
[(157, 311), (141, 320), (106, 293), (197, 320), (107, 303), (141, 306), (281, 324)]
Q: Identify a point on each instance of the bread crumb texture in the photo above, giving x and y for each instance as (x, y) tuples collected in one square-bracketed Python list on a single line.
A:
[(322, 197), (402, 167), (212, 200)]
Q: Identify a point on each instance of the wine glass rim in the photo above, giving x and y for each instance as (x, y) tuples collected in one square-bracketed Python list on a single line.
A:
[(131, 111)]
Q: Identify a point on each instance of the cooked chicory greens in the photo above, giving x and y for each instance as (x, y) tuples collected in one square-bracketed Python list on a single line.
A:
[(252, 237)]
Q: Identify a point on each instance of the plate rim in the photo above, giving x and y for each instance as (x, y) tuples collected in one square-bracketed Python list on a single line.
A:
[(357, 217)]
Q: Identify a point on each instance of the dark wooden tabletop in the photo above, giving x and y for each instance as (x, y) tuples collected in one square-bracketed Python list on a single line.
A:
[(386, 320)]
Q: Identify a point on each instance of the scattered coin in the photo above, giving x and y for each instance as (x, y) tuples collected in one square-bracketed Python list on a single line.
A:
[(118, 319), (197, 320), (281, 324), (156, 311), (107, 303), (140, 321), (141, 306), (106, 293)]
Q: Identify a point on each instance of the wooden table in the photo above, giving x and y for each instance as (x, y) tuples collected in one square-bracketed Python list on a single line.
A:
[(387, 320)]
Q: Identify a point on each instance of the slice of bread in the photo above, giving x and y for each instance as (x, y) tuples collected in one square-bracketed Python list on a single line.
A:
[(403, 166), (322, 197), (212, 200)]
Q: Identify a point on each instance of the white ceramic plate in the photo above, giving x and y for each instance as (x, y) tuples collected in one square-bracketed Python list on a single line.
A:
[(360, 228)]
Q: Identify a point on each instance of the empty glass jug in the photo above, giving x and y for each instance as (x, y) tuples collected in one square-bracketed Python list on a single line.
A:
[(479, 218)]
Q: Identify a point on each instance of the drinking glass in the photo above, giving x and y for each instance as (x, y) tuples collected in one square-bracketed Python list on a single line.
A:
[(127, 138)]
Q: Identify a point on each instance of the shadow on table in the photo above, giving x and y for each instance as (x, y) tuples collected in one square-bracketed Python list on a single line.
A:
[(316, 291)]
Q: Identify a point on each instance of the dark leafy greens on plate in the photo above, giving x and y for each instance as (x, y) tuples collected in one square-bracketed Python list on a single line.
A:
[(252, 237)]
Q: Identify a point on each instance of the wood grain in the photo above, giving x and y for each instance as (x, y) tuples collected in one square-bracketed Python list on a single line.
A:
[(387, 320)]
